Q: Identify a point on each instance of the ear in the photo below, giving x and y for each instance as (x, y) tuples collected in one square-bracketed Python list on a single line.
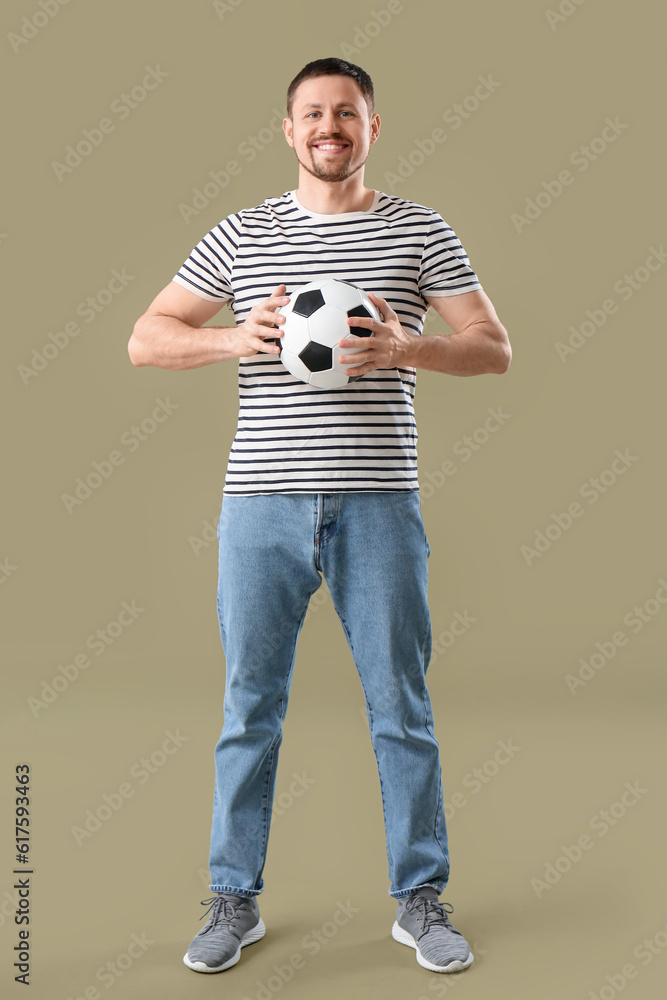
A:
[(287, 129)]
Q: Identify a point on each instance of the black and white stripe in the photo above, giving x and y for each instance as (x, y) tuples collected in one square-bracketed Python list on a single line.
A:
[(291, 437)]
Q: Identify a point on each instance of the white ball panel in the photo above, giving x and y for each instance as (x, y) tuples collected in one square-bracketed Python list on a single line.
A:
[(341, 295), (295, 366), (296, 335), (330, 379), (328, 325)]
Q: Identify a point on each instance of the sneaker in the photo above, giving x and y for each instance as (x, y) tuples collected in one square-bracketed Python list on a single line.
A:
[(422, 923), (233, 923)]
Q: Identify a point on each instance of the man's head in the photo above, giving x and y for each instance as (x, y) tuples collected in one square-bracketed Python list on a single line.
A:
[(333, 67), (331, 103)]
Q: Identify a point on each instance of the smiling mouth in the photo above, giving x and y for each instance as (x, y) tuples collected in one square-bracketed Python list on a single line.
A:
[(331, 147)]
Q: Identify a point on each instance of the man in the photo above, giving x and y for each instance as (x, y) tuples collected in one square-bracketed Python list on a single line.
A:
[(324, 483)]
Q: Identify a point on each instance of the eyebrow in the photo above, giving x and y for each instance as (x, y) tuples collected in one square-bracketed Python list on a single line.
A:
[(341, 104)]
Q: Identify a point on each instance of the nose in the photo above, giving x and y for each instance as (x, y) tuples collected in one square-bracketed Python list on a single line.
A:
[(328, 123)]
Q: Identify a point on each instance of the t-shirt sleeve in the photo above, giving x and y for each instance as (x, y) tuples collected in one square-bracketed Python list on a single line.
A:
[(445, 268), (208, 270)]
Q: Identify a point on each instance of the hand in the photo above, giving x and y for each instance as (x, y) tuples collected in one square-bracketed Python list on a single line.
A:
[(261, 321), (387, 348)]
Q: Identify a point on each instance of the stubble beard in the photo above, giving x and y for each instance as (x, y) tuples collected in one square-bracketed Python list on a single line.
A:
[(331, 172)]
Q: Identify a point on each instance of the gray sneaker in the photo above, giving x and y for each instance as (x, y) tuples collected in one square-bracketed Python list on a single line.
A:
[(422, 923), (233, 923)]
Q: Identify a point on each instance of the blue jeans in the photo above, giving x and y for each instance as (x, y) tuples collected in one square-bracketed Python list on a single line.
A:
[(372, 549)]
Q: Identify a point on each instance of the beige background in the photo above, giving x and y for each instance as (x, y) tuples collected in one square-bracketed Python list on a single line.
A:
[(67, 574)]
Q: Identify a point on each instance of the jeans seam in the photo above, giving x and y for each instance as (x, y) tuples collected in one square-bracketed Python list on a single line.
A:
[(265, 796), (370, 726), (276, 742), (431, 732)]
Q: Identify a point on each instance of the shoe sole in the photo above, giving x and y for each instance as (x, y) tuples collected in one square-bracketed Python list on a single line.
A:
[(404, 937), (254, 934)]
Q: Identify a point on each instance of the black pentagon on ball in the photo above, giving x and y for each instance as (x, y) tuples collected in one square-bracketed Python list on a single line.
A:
[(307, 303), (317, 357), (360, 331)]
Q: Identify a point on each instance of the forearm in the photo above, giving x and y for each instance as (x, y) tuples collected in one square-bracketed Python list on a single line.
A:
[(167, 342), (478, 350)]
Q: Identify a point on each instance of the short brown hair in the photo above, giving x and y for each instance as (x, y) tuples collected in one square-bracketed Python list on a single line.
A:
[(333, 66)]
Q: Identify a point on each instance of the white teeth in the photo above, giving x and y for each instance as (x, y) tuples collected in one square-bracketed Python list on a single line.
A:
[(330, 147)]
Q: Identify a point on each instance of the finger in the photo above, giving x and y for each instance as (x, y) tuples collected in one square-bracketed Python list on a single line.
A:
[(268, 345), (382, 304), (269, 317), (366, 321), (354, 341), (274, 317), (278, 295)]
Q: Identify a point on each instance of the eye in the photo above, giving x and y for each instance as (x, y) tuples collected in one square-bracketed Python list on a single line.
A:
[(311, 113)]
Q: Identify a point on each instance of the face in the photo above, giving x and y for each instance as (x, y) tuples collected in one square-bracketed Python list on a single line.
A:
[(330, 130)]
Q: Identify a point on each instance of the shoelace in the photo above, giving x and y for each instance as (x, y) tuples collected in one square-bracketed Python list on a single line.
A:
[(434, 912), (219, 911)]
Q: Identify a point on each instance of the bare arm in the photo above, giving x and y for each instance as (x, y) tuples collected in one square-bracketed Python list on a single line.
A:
[(479, 343), (170, 334)]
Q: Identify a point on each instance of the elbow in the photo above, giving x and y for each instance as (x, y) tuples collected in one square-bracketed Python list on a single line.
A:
[(134, 348), (134, 356), (504, 361), (503, 357)]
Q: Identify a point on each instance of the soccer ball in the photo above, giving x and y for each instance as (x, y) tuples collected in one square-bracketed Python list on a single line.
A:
[(316, 321)]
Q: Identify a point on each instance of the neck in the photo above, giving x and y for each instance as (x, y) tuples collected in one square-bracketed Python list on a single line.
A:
[(325, 198)]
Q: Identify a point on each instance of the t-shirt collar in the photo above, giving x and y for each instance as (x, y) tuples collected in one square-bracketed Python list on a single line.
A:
[(332, 217)]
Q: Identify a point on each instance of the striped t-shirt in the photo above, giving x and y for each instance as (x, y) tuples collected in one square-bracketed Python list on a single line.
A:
[(292, 437)]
